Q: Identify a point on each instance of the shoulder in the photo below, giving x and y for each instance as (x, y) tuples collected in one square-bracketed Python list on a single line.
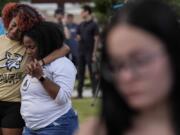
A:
[(94, 24), (62, 64), (82, 24), (3, 37), (92, 126), (6, 42), (75, 25), (62, 60)]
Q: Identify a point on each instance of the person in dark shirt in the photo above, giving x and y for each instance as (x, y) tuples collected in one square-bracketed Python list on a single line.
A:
[(88, 36), (59, 16)]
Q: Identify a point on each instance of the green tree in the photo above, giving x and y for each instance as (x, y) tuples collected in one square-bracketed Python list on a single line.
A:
[(3, 2), (175, 4), (103, 8)]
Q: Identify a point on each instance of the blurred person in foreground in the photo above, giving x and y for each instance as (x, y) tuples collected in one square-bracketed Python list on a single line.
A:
[(17, 19), (140, 73), (46, 90), (88, 37)]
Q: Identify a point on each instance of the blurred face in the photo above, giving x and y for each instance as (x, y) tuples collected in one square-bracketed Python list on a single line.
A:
[(31, 47), (59, 17), (84, 14), (69, 19), (13, 31), (140, 66)]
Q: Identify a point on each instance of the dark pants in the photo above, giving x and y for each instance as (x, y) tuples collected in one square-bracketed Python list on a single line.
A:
[(10, 116), (83, 60)]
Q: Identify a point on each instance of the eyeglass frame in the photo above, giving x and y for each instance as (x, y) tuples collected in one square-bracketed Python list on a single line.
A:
[(135, 66)]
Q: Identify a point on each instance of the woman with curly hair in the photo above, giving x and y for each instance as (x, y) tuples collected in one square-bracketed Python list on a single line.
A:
[(17, 18), (46, 91)]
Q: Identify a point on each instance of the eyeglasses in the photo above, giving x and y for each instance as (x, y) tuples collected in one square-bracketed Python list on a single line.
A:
[(137, 65)]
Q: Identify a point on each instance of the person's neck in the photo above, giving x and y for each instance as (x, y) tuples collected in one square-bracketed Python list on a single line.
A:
[(157, 114), (88, 18), (15, 40)]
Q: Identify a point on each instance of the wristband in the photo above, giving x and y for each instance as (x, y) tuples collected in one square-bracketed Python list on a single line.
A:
[(42, 78)]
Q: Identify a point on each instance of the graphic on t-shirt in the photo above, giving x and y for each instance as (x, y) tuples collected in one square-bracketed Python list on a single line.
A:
[(11, 61), (25, 85)]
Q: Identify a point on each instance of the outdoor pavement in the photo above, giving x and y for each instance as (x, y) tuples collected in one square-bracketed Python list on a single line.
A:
[(87, 92)]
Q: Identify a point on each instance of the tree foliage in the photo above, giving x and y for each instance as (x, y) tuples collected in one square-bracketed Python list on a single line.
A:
[(103, 8), (175, 4)]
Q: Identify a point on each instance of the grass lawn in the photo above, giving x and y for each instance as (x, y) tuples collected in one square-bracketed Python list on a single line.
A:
[(85, 109)]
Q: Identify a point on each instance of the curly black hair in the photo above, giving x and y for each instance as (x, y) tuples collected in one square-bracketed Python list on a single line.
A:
[(48, 36)]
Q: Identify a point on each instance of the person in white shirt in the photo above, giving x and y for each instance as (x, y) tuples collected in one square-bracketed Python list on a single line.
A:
[(46, 91)]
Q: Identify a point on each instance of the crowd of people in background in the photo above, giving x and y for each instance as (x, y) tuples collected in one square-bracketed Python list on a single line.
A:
[(83, 40)]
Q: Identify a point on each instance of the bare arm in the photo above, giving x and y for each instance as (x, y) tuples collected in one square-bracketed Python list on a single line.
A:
[(78, 38), (51, 87), (61, 87), (96, 43), (35, 70), (56, 54), (66, 33)]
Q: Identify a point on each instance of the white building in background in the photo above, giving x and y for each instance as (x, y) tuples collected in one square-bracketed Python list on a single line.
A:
[(47, 10)]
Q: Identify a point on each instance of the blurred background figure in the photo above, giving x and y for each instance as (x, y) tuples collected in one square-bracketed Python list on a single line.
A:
[(59, 16), (88, 37), (73, 44), (2, 29), (140, 73)]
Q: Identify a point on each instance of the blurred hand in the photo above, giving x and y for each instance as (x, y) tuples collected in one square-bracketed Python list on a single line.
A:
[(34, 69)]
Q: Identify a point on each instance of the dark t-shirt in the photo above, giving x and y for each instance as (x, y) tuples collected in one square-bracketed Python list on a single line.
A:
[(87, 31), (73, 44)]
